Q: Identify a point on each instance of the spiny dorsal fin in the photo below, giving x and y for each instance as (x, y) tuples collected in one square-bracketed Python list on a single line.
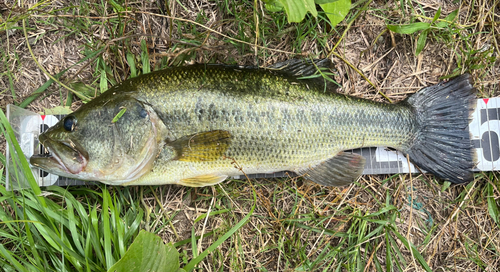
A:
[(306, 70), (205, 146), (299, 67), (343, 169)]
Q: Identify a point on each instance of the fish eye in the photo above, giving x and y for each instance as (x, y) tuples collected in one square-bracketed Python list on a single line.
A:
[(69, 123), (143, 113)]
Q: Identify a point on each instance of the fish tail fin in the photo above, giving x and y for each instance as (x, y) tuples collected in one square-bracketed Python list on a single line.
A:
[(442, 144)]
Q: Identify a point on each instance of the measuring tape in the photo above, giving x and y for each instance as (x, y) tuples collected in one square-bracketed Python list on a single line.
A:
[(484, 129)]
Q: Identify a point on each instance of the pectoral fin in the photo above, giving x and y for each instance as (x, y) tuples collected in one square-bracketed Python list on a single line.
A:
[(205, 146), (203, 180), (340, 170)]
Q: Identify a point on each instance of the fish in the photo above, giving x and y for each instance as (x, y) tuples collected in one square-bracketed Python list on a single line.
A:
[(197, 125)]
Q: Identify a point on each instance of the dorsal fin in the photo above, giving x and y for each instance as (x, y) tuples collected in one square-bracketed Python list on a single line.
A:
[(307, 70), (300, 67)]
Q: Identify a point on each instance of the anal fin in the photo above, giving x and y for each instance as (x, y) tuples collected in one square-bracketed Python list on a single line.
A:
[(343, 169), (203, 180)]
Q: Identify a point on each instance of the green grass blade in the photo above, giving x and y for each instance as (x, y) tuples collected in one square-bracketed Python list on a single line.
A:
[(492, 205), (131, 64), (146, 66), (119, 230), (119, 115), (8, 256), (75, 235), (103, 84), (388, 253), (11, 140), (96, 236), (436, 16), (194, 246), (447, 20), (40, 90), (422, 38), (106, 203), (408, 29), (414, 251), (188, 240), (394, 246), (191, 265), (32, 245)]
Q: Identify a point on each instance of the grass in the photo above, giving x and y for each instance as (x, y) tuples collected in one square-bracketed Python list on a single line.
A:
[(58, 229), (382, 223)]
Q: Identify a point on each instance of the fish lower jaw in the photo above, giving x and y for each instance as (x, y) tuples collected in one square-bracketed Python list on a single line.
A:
[(48, 161)]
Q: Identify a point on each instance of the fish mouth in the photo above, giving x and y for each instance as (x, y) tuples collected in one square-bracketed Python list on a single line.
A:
[(61, 157)]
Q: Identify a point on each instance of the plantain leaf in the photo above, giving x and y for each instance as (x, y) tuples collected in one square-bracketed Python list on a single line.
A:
[(296, 9), (273, 5), (336, 11), (148, 253), (321, 2), (408, 29)]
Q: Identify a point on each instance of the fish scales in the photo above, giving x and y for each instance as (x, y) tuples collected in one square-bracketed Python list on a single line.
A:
[(193, 125), (274, 121)]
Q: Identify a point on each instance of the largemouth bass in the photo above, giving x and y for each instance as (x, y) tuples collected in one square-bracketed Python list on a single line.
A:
[(199, 124)]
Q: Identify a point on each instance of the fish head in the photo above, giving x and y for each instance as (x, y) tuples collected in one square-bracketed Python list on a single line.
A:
[(112, 139)]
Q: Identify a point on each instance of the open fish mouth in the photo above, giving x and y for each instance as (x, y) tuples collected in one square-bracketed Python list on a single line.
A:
[(60, 157)]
